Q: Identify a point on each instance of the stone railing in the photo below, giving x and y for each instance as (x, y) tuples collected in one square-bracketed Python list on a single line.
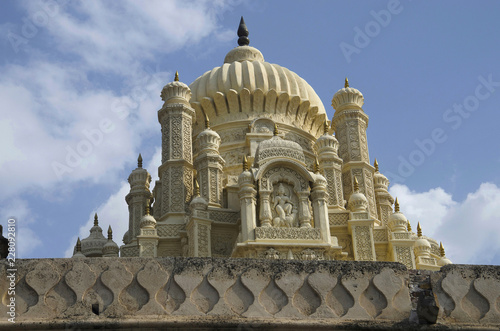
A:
[(260, 294)]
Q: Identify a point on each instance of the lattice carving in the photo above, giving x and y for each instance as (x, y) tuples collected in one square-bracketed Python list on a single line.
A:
[(338, 219), (363, 246), (169, 230), (404, 256), (287, 233)]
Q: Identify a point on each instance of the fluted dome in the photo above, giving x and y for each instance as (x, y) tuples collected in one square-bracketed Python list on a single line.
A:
[(277, 147), (357, 200), (93, 244), (347, 97), (148, 221), (397, 221)]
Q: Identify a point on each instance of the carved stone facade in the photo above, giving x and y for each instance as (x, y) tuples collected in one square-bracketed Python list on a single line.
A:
[(251, 168)]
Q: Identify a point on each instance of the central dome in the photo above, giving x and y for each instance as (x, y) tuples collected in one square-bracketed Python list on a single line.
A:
[(246, 87)]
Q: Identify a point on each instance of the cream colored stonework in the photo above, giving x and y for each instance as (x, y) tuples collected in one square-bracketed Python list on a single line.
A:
[(302, 193)]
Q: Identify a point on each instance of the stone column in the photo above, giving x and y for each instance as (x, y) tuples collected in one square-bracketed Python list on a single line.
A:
[(320, 210), (304, 212), (247, 195), (384, 199), (361, 232), (199, 238), (265, 215)]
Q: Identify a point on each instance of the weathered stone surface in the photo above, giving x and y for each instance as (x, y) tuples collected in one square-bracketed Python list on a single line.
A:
[(246, 293)]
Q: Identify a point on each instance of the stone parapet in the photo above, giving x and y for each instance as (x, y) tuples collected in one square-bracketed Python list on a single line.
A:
[(157, 293)]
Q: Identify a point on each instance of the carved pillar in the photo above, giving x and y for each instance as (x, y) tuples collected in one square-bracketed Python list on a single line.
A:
[(319, 197), (384, 199), (199, 239), (361, 232), (350, 123), (148, 239), (176, 171), (247, 195), (265, 215), (304, 212), (330, 165)]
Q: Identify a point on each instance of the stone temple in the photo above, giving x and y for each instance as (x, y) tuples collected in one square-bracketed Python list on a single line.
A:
[(251, 168), (261, 219)]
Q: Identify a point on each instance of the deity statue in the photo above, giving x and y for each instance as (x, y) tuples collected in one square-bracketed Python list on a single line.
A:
[(284, 208)]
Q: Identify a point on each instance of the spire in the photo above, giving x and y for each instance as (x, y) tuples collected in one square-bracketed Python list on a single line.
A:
[(316, 165), (147, 209), (243, 33), (441, 249), (396, 206), (409, 227), (326, 127), (356, 184), (78, 245), (176, 77), (419, 230), (276, 132), (245, 163), (196, 188), (346, 83), (207, 121), (375, 164), (139, 161), (110, 233), (96, 221)]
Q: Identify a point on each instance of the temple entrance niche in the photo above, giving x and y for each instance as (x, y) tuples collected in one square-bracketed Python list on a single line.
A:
[(285, 204)]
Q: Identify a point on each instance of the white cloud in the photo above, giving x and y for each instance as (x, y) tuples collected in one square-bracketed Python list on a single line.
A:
[(468, 229), (114, 211)]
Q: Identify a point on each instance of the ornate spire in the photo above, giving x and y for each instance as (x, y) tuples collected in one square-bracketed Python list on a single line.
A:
[(245, 163), (409, 227), (243, 33), (139, 161), (316, 165), (441, 249), (196, 188), (276, 132), (375, 164), (207, 121), (110, 233), (96, 221), (176, 77), (147, 209), (326, 127), (346, 83), (396, 206), (419, 230), (78, 245), (356, 184)]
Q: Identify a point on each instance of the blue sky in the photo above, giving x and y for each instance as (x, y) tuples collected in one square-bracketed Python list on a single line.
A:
[(86, 76)]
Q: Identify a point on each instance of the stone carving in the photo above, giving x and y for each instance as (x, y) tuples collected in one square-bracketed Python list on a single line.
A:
[(380, 235), (169, 230), (404, 256), (224, 216), (287, 233), (284, 208), (338, 219), (361, 234)]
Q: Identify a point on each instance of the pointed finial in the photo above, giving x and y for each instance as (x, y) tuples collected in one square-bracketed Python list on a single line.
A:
[(96, 221), (326, 127), (196, 187), (419, 230), (78, 245), (409, 227), (276, 132), (207, 121), (316, 165), (110, 233), (243, 33), (356, 184), (245, 163), (441, 249), (176, 77), (147, 209), (375, 164), (139, 161), (396, 206), (346, 83)]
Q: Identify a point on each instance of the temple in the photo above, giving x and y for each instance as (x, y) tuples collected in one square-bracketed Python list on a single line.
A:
[(252, 167)]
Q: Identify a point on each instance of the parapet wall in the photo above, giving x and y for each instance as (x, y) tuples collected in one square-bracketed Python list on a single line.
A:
[(128, 293)]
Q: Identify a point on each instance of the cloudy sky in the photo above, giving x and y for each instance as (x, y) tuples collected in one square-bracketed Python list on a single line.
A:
[(80, 86)]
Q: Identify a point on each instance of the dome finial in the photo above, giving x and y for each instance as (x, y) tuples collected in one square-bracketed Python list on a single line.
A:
[(419, 230), (346, 83), (326, 127), (276, 132), (316, 165), (78, 245), (96, 221), (139, 161), (409, 227), (441, 249), (110, 233), (196, 187), (176, 77), (147, 208), (245, 163), (375, 164), (243, 33), (207, 121), (356, 184), (396, 206)]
